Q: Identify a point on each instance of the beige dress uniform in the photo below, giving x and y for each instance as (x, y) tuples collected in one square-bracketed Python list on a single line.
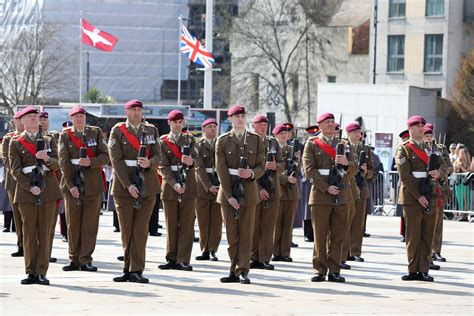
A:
[(10, 186), (329, 220), (420, 226), (179, 216), (208, 211), (133, 222), (83, 220), (286, 211), (239, 231), (37, 219), (266, 217), (55, 136)]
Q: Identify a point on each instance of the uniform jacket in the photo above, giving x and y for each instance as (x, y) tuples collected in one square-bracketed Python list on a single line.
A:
[(206, 158), (10, 182), (286, 192), (280, 167)]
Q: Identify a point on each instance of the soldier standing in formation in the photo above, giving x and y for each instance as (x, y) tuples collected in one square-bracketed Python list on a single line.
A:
[(404, 136), (82, 192), (10, 183), (134, 199), (178, 192), (232, 148), (36, 198), (329, 219), (208, 211), (419, 210)]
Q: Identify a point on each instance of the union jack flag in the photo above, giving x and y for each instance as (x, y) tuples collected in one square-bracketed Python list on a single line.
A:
[(194, 49)]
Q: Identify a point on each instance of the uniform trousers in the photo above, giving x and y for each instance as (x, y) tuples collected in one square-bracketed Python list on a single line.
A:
[(209, 217)]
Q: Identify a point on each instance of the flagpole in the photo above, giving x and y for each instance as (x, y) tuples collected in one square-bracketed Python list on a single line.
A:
[(208, 70), (180, 19), (80, 59)]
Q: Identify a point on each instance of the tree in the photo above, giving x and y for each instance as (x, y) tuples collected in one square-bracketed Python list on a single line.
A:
[(35, 67), (95, 96)]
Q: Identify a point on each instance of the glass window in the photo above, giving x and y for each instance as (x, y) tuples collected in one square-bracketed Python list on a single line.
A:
[(434, 7), (331, 79), (396, 53), (396, 8), (433, 53)]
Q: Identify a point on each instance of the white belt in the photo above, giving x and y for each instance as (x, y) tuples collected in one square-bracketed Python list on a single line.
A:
[(324, 172), (75, 161), (233, 172), (210, 170), (419, 174), (131, 163), (174, 168), (31, 168)]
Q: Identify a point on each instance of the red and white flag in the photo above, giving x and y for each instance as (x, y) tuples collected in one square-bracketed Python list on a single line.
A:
[(94, 37)]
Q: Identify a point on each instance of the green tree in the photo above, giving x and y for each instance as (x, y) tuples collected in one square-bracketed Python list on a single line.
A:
[(95, 96)]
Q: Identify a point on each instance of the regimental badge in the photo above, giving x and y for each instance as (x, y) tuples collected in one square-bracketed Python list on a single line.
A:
[(91, 143), (402, 160), (150, 140), (112, 142)]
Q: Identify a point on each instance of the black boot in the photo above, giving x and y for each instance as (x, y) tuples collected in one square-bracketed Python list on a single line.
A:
[(19, 253), (232, 278), (30, 279), (204, 256)]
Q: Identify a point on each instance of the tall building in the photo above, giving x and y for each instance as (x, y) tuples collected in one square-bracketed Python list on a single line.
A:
[(420, 42)]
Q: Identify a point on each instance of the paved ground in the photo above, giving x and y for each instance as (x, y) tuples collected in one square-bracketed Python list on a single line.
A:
[(372, 287)]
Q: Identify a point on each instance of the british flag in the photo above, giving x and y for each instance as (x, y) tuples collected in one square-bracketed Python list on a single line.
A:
[(194, 49)]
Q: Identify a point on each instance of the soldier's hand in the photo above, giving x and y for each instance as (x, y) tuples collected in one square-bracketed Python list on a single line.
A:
[(132, 189), (35, 190), (178, 188), (84, 162), (364, 168), (271, 165), (74, 192), (264, 195), (187, 160), (423, 201), (233, 202), (342, 159), (298, 155), (214, 189), (292, 179), (334, 190), (434, 174), (245, 173), (144, 162), (43, 155)]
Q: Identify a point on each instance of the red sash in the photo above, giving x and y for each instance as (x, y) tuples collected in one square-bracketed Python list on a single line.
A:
[(424, 157), (132, 139), (29, 146), (327, 148), (174, 148)]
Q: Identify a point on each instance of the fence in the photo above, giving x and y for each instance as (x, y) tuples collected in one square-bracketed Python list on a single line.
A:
[(384, 194)]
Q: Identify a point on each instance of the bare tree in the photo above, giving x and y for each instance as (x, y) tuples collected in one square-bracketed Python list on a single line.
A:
[(35, 66)]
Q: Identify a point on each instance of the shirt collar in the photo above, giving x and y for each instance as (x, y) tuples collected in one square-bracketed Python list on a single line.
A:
[(128, 124)]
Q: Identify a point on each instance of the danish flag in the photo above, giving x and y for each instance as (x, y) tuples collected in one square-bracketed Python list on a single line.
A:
[(194, 49), (94, 37)]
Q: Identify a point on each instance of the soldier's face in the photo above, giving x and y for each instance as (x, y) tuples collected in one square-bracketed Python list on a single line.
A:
[(328, 127), (210, 130), (134, 115), (18, 125), (260, 128), (282, 137), (428, 138), (238, 120), (79, 121), (417, 131), (30, 121), (44, 123), (176, 126), (355, 136)]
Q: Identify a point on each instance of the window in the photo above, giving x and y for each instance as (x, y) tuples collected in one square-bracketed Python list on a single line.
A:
[(433, 53), (396, 8), (396, 53), (331, 79), (434, 7)]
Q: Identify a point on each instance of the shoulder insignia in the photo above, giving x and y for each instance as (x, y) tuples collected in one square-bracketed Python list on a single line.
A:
[(224, 135), (61, 145), (112, 142)]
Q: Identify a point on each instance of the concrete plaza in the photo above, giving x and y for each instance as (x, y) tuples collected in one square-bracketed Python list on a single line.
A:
[(372, 287)]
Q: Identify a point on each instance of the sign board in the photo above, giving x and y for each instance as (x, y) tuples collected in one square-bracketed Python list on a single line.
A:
[(383, 148)]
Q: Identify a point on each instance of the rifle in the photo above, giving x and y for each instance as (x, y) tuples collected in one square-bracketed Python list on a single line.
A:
[(138, 176), (362, 159), (182, 168), (426, 184), (291, 162), (38, 172), (238, 185), (79, 177), (337, 170), (266, 181)]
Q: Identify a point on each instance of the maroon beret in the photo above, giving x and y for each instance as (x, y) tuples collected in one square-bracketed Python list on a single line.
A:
[(312, 129), (354, 126), (133, 104), (416, 119), (404, 134), (16, 116), (259, 118), (428, 129), (324, 117), (279, 128), (289, 126), (236, 109), (76, 110), (429, 125), (209, 121), (44, 114), (175, 115), (28, 110)]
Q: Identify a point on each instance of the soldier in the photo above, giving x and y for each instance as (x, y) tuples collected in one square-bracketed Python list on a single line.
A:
[(419, 210), (269, 189), (404, 136), (240, 161), (10, 183), (208, 211), (290, 194), (82, 184), (178, 156), (329, 203), (36, 193), (312, 130), (365, 172), (445, 191), (135, 185)]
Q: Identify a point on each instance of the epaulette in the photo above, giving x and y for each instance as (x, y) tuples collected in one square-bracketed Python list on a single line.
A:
[(223, 135), (163, 136)]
